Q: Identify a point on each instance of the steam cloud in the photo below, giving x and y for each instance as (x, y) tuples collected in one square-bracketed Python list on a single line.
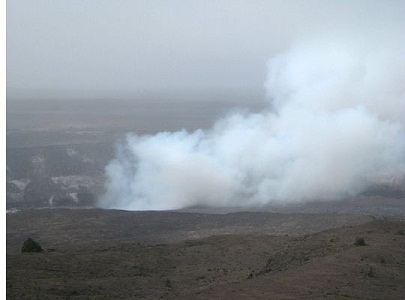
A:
[(334, 126)]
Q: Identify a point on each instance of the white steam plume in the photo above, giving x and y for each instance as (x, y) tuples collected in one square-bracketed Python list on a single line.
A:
[(335, 122)]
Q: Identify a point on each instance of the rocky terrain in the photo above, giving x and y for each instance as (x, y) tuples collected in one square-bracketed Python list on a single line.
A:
[(61, 175), (57, 150), (66, 228), (56, 154), (107, 254)]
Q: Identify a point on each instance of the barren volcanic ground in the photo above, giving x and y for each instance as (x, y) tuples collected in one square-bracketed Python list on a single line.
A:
[(56, 154), (110, 254), (57, 150)]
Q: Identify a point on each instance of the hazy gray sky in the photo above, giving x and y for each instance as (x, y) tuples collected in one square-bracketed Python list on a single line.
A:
[(93, 46)]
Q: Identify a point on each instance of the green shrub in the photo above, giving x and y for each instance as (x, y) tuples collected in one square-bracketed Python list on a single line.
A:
[(31, 246)]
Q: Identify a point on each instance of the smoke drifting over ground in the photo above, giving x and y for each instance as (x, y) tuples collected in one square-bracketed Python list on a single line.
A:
[(334, 127)]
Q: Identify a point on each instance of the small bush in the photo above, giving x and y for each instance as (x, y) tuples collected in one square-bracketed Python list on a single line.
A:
[(31, 246), (360, 242), (168, 283), (370, 272), (382, 260)]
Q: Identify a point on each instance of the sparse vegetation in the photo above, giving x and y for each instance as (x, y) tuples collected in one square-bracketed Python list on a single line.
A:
[(360, 242), (31, 246), (168, 283), (370, 272), (253, 265)]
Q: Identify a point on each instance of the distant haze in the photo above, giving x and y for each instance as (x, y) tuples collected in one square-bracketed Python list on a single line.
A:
[(116, 48), (331, 74)]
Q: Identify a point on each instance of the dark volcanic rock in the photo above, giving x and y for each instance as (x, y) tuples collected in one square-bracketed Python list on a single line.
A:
[(40, 191), (74, 227), (31, 246)]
